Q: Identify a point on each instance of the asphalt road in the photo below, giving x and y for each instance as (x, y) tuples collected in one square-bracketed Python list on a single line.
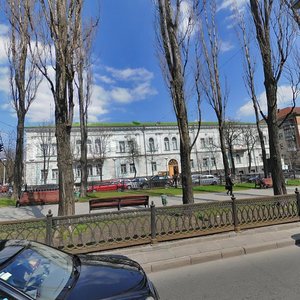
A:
[(272, 275)]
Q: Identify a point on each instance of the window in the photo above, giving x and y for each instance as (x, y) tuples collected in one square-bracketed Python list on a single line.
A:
[(44, 175), (55, 174), (153, 166), (90, 170), (205, 162), (78, 171), (210, 141), (202, 143), (213, 161), (130, 146), (167, 144), (123, 169), (122, 146), (151, 145), (45, 150), (54, 149), (192, 163), (132, 168), (174, 143), (98, 146), (78, 146), (238, 159), (98, 169), (89, 146)]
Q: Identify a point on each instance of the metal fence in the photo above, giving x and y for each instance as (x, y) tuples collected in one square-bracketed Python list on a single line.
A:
[(102, 231)]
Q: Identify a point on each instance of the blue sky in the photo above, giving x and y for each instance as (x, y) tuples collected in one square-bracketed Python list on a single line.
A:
[(128, 85)]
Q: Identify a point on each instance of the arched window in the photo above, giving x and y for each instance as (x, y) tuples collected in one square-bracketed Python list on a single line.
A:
[(151, 145), (167, 144), (174, 143)]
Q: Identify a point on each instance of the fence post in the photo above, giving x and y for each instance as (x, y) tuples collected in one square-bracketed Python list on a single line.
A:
[(153, 223), (298, 201), (234, 214), (49, 228)]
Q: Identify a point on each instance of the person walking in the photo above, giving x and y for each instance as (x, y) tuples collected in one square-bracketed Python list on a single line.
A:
[(229, 184)]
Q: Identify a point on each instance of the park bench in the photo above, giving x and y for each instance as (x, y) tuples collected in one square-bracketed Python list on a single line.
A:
[(119, 201), (35, 197), (264, 183)]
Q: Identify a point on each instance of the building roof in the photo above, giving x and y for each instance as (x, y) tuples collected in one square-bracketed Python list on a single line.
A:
[(284, 111)]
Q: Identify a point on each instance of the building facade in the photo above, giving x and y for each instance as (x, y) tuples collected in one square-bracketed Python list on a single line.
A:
[(129, 150), (289, 136)]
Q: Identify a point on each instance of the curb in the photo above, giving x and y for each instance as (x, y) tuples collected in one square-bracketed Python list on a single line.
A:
[(216, 255)]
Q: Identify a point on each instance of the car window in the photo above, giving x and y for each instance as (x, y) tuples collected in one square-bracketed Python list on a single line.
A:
[(39, 271)]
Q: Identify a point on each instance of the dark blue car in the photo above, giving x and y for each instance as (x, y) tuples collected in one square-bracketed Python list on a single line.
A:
[(30, 270)]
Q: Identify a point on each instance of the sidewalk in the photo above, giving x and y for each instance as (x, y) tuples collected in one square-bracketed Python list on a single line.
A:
[(184, 252)]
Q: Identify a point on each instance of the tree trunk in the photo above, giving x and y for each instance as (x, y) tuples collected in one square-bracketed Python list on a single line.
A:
[(223, 150), (19, 164), (275, 153)]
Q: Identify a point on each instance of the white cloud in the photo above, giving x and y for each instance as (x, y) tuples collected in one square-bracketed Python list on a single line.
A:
[(226, 46), (232, 4), (128, 74), (104, 79), (187, 20), (284, 97)]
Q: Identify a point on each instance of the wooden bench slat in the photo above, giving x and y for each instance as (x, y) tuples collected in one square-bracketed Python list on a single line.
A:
[(120, 201)]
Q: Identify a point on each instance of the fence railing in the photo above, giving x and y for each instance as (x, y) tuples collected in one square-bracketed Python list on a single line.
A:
[(102, 231)]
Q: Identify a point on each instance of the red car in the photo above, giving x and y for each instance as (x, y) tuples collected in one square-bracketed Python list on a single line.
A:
[(114, 186)]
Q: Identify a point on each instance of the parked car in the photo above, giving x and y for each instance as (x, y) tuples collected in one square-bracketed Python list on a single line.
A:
[(30, 270), (254, 178), (205, 179), (160, 181), (110, 186), (140, 183)]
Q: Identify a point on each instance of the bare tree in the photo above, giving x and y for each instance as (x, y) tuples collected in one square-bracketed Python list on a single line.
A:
[(232, 132), (210, 79), (294, 11), (249, 138), (84, 84), (249, 65), (45, 139), (7, 159), (100, 153), (24, 79), (133, 151), (174, 46), (57, 42), (275, 36)]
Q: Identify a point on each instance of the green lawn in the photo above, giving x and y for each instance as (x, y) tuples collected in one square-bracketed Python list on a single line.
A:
[(7, 202), (168, 191)]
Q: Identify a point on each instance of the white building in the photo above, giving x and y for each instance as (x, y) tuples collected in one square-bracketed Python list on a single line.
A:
[(148, 148)]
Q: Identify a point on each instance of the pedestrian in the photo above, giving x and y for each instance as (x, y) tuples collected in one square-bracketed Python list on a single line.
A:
[(229, 184), (175, 180)]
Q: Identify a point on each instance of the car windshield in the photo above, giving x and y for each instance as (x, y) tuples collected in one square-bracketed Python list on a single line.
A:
[(39, 271)]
